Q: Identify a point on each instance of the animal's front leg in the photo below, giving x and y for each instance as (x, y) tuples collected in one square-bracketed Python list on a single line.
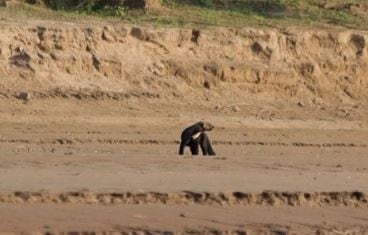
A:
[(210, 150), (206, 145)]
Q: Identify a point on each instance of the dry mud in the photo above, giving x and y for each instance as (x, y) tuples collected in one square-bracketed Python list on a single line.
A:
[(269, 198), (91, 114)]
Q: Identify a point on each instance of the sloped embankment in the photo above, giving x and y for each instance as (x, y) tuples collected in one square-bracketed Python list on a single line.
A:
[(316, 66)]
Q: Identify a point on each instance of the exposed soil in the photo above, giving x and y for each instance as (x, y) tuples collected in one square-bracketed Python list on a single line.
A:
[(312, 68)]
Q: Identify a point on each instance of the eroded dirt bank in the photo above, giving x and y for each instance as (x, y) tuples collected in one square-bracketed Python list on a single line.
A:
[(315, 68)]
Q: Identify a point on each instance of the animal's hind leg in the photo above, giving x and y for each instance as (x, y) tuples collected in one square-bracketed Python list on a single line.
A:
[(181, 148), (194, 147)]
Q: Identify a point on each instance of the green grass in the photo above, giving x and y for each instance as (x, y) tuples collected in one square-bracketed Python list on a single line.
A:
[(202, 13), (25, 11)]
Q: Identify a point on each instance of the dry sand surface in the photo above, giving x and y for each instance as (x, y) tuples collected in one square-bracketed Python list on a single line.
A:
[(194, 219), (90, 120), (118, 170)]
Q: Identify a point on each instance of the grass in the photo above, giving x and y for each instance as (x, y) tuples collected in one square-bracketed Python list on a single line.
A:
[(202, 13), (25, 11)]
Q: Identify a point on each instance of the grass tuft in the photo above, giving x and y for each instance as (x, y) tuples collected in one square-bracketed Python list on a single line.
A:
[(189, 13)]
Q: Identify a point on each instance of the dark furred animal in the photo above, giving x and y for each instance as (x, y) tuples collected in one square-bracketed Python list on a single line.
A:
[(195, 135)]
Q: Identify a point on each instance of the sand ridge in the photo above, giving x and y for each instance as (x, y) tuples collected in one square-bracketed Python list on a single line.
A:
[(266, 198)]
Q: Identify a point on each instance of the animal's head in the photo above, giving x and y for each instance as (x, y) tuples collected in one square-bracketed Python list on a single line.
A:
[(206, 126)]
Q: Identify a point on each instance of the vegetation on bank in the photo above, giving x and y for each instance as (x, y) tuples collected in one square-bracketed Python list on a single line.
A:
[(181, 13)]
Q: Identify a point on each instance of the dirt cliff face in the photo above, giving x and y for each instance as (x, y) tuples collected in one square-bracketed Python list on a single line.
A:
[(302, 66)]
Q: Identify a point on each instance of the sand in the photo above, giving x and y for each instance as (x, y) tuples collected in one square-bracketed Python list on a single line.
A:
[(100, 166)]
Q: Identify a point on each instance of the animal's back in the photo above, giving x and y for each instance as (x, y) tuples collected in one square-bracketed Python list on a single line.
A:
[(191, 130)]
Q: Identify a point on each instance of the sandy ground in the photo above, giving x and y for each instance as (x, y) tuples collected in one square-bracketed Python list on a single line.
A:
[(194, 218), (59, 146)]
